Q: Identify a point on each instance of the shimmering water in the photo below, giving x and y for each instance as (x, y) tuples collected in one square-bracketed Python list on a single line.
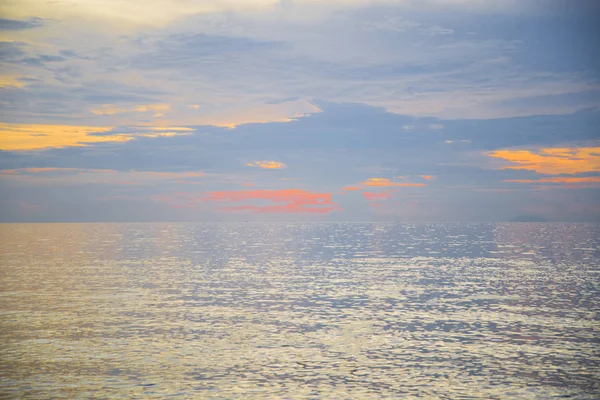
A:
[(335, 311)]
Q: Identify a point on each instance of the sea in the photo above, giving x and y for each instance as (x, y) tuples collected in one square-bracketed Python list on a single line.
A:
[(300, 311)]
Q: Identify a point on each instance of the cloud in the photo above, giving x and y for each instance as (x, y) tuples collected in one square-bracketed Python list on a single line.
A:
[(146, 131), (320, 89), (178, 175), (551, 161), (7, 80), (564, 182), (377, 196), (110, 109), (78, 176), (435, 126), (15, 137), (315, 56), (287, 201), (267, 164), (19, 55), (18, 25), (385, 182), (12, 50), (456, 141), (123, 14), (36, 170), (561, 179)]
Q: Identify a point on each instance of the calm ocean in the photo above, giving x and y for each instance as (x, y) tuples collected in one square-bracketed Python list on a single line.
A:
[(300, 311)]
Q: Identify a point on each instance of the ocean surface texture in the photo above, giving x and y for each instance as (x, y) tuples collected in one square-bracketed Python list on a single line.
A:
[(300, 311)]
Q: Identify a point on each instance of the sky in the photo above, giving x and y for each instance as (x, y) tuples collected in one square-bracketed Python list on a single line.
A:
[(299, 110)]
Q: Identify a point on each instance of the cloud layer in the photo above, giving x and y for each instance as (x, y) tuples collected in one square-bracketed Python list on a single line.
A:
[(345, 110)]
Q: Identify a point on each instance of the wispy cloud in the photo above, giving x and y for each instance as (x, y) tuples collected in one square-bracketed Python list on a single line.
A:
[(351, 188), (158, 110), (385, 182), (48, 176), (562, 182), (267, 164), (178, 175), (370, 196), (286, 201), (20, 24), (561, 179), (51, 169)]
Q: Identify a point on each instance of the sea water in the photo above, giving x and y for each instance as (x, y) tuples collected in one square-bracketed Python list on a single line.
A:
[(300, 311)]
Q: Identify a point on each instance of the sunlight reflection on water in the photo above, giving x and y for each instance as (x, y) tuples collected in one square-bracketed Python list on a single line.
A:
[(336, 311)]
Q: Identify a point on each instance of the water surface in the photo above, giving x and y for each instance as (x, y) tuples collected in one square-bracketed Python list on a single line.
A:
[(357, 311)]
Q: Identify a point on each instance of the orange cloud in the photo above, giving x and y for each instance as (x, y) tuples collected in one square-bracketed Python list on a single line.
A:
[(15, 137), (286, 201), (351, 188), (427, 177), (266, 164), (385, 182), (551, 161), (51, 169), (187, 174), (377, 196), (294, 201), (587, 179)]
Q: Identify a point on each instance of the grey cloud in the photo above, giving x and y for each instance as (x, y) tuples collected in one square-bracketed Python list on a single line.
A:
[(335, 61), (18, 53), (10, 51), (19, 24), (41, 60), (187, 50), (36, 100), (68, 53)]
